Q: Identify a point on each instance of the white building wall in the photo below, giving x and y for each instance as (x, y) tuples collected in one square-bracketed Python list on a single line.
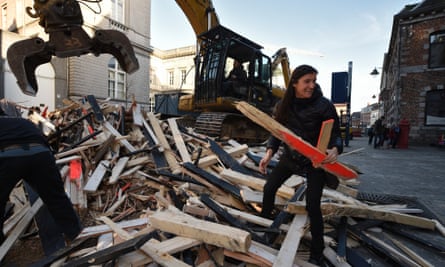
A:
[(44, 74)]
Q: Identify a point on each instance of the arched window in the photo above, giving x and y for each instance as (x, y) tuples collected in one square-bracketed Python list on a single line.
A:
[(116, 80), (437, 50)]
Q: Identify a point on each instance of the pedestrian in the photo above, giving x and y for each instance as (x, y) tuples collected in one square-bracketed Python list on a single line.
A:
[(302, 110), (370, 134), (394, 135), (379, 132), (25, 154)]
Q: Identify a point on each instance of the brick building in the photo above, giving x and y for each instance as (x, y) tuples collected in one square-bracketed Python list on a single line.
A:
[(413, 78)]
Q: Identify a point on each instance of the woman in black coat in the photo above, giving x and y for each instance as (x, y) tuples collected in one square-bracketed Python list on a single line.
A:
[(303, 110)]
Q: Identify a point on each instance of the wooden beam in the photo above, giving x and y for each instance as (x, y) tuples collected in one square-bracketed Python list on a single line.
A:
[(97, 176), (164, 259), (117, 169), (333, 209), (290, 244), (207, 232), (168, 152), (254, 183), (325, 135), (180, 145), (20, 228)]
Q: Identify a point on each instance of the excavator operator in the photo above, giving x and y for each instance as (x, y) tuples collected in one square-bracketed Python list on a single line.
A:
[(236, 79)]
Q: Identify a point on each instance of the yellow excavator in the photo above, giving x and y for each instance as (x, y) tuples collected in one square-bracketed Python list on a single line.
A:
[(214, 96)]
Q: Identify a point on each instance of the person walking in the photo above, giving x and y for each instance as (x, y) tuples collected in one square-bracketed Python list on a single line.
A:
[(302, 110), (370, 134), (25, 154), (379, 131)]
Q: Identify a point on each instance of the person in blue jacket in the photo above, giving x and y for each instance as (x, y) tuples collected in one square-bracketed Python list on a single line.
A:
[(303, 110)]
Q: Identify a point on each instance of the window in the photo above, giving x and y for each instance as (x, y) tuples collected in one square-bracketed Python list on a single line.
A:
[(171, 77), (437, 50), (434, 108), (151, 104), (116, 80), (117, 10), (183, 76)]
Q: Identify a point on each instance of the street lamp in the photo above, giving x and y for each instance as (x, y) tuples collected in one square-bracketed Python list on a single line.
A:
[(374, 72)]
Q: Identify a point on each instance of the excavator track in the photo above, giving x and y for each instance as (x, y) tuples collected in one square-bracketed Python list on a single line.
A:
[(230, 126)]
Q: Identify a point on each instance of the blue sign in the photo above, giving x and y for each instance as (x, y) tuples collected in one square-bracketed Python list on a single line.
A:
[(339, 87)]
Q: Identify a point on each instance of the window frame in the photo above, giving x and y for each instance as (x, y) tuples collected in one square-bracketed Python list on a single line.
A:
[(436, 47), (116, 76)]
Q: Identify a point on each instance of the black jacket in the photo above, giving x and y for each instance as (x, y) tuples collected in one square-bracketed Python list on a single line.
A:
[(305, 119), (17, 131)]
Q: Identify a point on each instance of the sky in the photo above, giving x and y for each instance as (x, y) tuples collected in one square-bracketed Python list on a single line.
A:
[(323, 33)]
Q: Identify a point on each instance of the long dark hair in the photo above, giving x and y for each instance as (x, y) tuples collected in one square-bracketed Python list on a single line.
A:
[(282, 109)]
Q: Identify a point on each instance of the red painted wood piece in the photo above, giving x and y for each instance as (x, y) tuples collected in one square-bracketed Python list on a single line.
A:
[(316, 156)]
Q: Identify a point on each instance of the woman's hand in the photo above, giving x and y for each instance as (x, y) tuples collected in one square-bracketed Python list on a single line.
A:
[(331, 156), (265, 161)]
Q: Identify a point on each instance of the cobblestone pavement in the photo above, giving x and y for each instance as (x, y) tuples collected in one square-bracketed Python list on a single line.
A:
[(418, 171)]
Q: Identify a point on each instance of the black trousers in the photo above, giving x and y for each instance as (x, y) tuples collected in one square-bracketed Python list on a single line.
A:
[(41, 173), (316, 179)]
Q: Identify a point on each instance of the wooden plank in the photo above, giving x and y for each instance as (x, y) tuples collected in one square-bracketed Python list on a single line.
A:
[(97, 176), (250, 196), (254, 183), (334, 209), (102, 229), (214, 180), (325, 135), (164, 259), (207, 232), (117, 169), (112, 252), (227, 159), (212, 159), (290, 244), (411, 253), (67, 159), (179, 141), (20, 228), (168, 152), (114, 132), (401, 258), (138, 161)]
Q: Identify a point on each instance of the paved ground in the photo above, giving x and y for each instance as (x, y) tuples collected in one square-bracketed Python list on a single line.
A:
[(418, 171)]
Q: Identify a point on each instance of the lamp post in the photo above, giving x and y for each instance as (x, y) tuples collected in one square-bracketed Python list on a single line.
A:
[(375, 73), (348, 104)]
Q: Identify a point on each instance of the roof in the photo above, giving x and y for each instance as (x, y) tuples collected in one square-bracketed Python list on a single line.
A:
[(426, 6)]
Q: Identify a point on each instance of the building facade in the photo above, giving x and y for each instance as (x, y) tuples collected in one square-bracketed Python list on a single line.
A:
[(88, 74), (413, 78)]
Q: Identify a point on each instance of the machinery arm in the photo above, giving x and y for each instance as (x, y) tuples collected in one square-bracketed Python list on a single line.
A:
[(200, 13), (62, 20), (281, 57)]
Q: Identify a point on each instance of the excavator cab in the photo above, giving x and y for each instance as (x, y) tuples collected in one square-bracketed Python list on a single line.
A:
[(216, 93), (215, 90)]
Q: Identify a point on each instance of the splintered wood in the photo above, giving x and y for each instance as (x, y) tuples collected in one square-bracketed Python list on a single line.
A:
[(153, 192)]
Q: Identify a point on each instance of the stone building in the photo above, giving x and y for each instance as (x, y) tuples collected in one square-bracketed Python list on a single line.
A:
[(79, 76), (413, 78)]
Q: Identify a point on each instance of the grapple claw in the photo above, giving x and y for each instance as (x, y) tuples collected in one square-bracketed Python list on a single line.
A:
[(117, 44), (23, 58), (62, 20)]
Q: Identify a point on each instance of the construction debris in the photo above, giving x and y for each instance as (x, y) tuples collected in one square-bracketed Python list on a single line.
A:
[(151, 192)]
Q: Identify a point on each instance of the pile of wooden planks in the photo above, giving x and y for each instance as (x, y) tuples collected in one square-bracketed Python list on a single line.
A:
[(154, 193)]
